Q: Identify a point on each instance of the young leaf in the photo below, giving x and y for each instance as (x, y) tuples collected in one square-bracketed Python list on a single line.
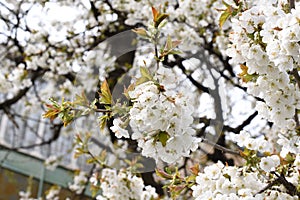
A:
[(229, 12), (224, 16), (175, 43), (52, 112), (90, 161), (103, 119), (245, 76), (127, 90), (141, 32), (160, 18), (168, 44), (146, 73), (155, 14), (161, 173), (106, 97), (141, 80), (175, 52), (81, 99)]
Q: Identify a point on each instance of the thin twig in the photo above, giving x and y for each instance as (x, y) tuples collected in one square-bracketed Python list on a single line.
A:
[(221, 148), (156, 51)]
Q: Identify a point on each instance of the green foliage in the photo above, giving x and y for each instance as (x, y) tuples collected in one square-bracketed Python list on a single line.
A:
[(230, 11), (145, 76), (169, 48), (245, 76), (64, 111), (176, 182), (81, 144), (105, 94), (142, 32), (252, 160), (158, 17), (103, 120)]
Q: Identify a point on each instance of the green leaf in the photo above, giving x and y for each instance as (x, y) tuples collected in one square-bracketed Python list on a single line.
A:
[(103, 120), (229, 12), (146, 73), (81, 99), (145, 76), (78, 152), (224, 16), (162, 24), (161, 173), (168, 44), (141, 32), (159, 19), (127, 90), (141, 80), (175, 52)]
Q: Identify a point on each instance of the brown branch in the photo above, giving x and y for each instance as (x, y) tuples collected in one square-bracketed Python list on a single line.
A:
[(178, 62), (291, 189), (56, 132), (35, 74), (235, 130), (269, 186), (15, 99), (11, 117), (241, 126)]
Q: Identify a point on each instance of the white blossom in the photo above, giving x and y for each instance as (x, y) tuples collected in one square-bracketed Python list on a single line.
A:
[(269, 163), (124, 186)]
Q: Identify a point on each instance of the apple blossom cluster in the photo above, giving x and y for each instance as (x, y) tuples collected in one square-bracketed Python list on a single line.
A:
[(269, 163), (25, 195), (161, 119), (190, 21), (265, 39), (123, 185), (53, 193), (79, 182), (227, 182), (274, 141), (51, 162), (244, 139), (49, 41), (289, 143)]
